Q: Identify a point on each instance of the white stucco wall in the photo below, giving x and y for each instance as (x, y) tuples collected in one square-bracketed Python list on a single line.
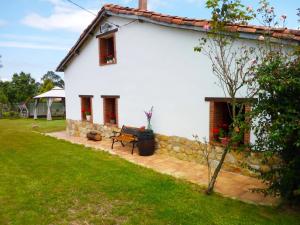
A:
[(156, 66)]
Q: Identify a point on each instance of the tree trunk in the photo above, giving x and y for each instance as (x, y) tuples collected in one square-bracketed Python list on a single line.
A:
[(212, 182)]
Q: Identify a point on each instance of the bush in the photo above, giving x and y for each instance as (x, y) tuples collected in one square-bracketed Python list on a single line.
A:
[(10, 115), (277, 129)]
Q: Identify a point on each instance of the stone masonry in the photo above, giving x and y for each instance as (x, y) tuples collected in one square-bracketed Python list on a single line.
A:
[(181, 148)]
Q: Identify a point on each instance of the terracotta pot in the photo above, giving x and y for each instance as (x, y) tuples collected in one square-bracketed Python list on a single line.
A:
[(225, 140)]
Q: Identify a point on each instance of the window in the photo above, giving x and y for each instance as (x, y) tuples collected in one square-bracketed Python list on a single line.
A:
[(110, 110), (86, 108), (221, 117), (107, 49)]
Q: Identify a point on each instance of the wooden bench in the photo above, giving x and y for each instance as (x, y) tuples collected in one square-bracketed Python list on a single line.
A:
[(128, 135)]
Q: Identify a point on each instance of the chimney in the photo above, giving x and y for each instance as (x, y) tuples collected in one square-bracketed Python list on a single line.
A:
[(143, 4)]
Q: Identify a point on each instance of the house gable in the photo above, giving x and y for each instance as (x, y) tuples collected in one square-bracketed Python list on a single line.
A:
[(246, 31)]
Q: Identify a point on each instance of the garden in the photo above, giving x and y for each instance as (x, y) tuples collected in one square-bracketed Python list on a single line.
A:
[(48, 181)]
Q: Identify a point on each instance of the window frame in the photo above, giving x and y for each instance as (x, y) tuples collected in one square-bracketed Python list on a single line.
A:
[(116, 106), (83, 116), (101, 37), (212, 114)]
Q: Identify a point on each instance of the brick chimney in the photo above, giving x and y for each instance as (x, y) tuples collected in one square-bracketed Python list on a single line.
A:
[(143, 4)]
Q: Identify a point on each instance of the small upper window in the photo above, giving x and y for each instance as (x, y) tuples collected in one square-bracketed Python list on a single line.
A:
[(107, 50)]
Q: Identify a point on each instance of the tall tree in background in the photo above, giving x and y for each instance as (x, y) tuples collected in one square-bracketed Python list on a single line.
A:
[(50, 80), (21, 88), (3, 96), (3, 92)]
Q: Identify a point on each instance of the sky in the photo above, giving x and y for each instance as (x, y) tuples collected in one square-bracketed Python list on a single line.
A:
[(35, 35)]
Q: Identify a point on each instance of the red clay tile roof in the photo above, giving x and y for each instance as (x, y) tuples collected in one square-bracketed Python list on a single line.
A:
[(183, 22)]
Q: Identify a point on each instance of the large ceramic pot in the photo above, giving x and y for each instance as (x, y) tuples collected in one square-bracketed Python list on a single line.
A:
[(146, 144)]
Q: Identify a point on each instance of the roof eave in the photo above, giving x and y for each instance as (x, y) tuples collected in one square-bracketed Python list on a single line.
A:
[(242, 35), (81, 40)]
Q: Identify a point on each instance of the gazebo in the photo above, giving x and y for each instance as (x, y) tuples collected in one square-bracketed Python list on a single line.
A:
[(54, 93)]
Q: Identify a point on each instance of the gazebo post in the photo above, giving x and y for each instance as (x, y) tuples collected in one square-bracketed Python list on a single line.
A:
[(64, 103), (49, 103), (50, 96), (36, 102)]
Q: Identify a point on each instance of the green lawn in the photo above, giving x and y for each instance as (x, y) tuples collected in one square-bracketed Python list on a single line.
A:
[(47, 181)]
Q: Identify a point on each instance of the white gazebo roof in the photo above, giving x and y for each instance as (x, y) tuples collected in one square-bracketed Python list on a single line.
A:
[(56, 92)]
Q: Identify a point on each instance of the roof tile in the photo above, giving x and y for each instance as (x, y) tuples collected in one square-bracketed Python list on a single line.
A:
[(201, 23), (275, 32), (188, 22), (165, 19), (246, 29), (177, 21)]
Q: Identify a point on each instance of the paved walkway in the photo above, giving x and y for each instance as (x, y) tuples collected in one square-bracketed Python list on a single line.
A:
[(228, 184)]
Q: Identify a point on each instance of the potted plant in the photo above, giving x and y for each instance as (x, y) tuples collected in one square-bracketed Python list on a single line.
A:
[(223, 136), (149, 117), (216, 132), (88, 116), (225, 140), (146, 138), (110, 59)]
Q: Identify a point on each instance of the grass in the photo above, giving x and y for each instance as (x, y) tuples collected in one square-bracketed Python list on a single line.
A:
[(47, 181)]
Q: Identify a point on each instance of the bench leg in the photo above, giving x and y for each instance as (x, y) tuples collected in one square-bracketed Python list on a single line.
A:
[(122, 144), (112, 145), (133, 145)]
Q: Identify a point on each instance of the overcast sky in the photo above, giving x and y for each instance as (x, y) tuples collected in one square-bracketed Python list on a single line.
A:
[(36, 34)]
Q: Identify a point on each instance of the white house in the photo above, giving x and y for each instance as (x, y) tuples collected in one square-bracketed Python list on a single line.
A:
[(128, 60)]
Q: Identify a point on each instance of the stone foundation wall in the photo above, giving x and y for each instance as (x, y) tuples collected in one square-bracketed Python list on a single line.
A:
[(189, 150), (181, 148), (81, 128)]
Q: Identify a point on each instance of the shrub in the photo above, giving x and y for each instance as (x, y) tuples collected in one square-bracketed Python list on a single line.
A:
[(277, 129), (10, 115)]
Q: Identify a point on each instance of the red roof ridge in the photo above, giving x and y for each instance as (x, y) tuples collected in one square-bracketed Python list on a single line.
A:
[(159, 17)]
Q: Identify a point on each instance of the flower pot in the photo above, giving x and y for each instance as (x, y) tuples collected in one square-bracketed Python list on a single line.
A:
[(146, 144), (88, 117), (225, 140)]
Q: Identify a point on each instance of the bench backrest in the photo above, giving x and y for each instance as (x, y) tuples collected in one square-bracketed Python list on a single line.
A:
[(130, 130)]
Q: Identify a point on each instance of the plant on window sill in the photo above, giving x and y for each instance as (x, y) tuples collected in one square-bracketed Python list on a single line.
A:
[(110, 60), (88, 116)]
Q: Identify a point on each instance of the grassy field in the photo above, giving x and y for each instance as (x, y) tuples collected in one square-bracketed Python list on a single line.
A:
[(47, 181)]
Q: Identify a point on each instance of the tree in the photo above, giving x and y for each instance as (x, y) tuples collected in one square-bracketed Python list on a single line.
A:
[(276, 112), (3, 96), (21, 88), (50, 80), (230, 65), (46, 86), (277, 129)]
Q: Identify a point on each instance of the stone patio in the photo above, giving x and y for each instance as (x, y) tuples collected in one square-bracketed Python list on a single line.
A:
[(228, 184)]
